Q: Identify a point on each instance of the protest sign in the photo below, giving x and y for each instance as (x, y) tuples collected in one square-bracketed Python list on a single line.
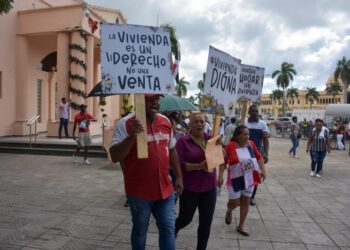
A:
[(222, 78), (213, 153), (136, 59), (250, 85)]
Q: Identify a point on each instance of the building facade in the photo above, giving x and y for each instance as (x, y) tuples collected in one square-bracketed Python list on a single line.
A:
[(49, 50), (273, 107)]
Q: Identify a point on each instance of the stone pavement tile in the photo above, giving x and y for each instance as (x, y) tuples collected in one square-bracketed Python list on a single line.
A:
[(48, 241), (318, 247), (119, 235), (5, 246), (112, 245), (342, 240), (287, 236), (19, 236), (335, 228), (252, 244), (186, 241), (326, 219), (278, 225), (321, 239), (222, 244), (304, 227), (289, 246)]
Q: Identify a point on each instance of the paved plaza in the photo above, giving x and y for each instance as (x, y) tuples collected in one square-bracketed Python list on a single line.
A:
[(47, 202)]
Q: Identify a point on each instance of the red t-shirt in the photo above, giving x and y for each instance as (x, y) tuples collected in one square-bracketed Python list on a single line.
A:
[(86, 117), (149, 178)]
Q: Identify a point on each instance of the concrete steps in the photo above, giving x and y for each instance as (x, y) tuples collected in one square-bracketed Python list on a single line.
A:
[(47, 148)]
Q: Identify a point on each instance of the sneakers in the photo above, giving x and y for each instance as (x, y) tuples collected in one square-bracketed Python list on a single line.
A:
[(318, 176), (87, 162), (75, 159), (312, 174), (295, 156)]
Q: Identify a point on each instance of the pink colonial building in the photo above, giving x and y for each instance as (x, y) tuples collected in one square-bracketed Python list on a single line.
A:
[(50, 49)]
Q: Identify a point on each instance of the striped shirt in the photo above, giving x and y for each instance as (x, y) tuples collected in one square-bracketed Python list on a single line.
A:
[(319, 142)]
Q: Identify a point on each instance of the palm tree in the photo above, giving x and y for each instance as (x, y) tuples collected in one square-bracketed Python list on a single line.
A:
[(333, 90), (181, 89), (311, 95), (276, 94), (175, 45), (292, 93), (5, 6), (343, 72), (201, 83), (284, 76)]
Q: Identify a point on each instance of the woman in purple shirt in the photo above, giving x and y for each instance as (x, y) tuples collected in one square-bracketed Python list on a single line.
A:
[(199, 184)]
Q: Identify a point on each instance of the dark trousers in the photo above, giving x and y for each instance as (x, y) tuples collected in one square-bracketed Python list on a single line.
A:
[(64, 124), (189, 201), (317, 158)]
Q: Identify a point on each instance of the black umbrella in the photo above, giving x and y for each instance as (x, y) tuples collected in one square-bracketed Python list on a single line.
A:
[(97, 91)]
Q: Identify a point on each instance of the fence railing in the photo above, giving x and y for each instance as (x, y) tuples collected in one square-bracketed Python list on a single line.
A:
[(33, 120)]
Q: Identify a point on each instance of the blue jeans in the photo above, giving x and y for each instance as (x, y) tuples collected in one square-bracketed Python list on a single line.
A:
[(63, 123), (317, 158), (164, 213), (295, 144)]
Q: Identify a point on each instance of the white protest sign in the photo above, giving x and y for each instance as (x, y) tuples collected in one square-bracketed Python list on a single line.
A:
[(251, 82), (136, 59), (222, 78)]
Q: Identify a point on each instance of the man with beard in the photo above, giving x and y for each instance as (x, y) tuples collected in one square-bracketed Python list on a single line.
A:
[(148, 186), (259, 134)]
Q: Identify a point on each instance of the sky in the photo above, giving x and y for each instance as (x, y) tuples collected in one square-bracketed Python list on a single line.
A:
[(312, 35)]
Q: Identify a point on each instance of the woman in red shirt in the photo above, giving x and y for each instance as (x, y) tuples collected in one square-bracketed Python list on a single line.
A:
[(245, 168)]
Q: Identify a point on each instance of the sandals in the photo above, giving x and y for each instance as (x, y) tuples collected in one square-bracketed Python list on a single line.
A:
[(242, 232), (228, 217)]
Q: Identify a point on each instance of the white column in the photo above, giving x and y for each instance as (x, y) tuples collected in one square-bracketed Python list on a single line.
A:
[(89, 72), (62, 66), (77, 69), (22, 87)]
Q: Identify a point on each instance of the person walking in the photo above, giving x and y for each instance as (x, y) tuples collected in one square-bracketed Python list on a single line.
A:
[(64, 117), (340, 135), (294, 136), (199, 183), (148, 185), (318, 145), (246, 167), (82, 120), (259, 133)]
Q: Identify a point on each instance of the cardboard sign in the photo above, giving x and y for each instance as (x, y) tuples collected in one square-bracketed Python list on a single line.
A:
[(222, 78), (214, 154), (250, 85), (136, 59)]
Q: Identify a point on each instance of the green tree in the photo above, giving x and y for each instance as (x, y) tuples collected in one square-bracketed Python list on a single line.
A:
[(334, 89), (5, 6), (175, 45), (181, 88), (311, 95), (342, 71), (292, 93), (276, 94), (192, 99), (200, 84), (284, 77)]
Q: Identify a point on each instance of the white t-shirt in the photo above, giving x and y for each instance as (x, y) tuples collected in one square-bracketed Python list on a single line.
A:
[(64, 110), (207, 128)]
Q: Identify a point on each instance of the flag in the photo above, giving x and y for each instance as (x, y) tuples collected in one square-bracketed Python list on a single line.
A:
[(175, 68)]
